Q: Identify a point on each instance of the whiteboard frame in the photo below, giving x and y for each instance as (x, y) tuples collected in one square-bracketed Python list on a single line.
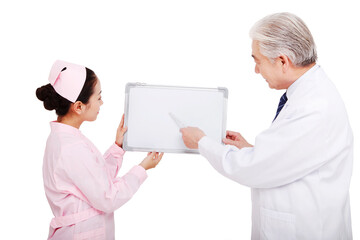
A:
[(144, 85)]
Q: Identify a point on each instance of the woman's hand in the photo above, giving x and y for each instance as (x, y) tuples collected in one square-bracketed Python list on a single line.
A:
[(235, 139), (152, 159), (120, 132)]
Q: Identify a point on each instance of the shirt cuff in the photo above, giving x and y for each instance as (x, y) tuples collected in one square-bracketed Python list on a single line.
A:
[(211, 149), (139, 172), (201, 142), (204, 144), (116, 150)]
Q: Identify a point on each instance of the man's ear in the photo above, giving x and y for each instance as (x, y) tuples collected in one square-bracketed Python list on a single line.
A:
[(78, 107), (285, 62)]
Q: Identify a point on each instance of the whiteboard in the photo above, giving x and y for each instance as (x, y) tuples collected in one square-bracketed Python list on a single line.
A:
[(151, 128)]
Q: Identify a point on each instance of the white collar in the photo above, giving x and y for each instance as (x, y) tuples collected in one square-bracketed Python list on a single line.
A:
[(303, 77)]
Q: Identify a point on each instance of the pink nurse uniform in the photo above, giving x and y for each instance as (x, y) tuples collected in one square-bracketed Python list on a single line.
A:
[(81, 185)]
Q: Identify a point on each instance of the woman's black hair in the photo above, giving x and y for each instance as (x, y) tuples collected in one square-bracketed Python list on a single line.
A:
[(52, 100)]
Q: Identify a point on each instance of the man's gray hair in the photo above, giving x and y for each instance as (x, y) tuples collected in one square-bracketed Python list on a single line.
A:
[(285, 34)]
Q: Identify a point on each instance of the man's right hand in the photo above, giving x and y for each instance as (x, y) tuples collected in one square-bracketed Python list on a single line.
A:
[(235, 139)]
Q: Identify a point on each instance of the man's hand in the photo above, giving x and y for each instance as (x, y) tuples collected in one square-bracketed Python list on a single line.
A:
[(191, 136), (235, 139)]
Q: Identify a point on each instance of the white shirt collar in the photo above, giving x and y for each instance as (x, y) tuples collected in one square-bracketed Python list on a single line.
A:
[(303, 77)]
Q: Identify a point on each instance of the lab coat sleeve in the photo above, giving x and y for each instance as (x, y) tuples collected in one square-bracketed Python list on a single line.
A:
[(290, 149), (113, 159), (90, 180)]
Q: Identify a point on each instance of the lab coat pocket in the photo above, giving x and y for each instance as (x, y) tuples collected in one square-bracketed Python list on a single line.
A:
[(277, 225), (96, 234)]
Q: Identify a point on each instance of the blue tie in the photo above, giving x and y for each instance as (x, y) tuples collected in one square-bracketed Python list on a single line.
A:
[(282, 102)]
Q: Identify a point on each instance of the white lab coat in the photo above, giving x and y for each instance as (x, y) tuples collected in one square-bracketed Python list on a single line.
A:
[(300, 168)]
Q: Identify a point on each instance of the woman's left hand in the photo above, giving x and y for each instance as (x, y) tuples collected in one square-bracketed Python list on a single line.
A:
[(120, 132)]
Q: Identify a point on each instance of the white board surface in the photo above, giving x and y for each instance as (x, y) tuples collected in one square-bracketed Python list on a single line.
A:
[(150, 126)]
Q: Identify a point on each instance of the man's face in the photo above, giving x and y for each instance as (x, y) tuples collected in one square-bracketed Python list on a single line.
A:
[(271, 72)]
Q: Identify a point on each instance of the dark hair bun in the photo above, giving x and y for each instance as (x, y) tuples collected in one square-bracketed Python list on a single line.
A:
[(52, 100)]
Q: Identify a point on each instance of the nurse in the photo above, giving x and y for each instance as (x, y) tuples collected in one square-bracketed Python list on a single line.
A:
[(81, 184), (299, 169)]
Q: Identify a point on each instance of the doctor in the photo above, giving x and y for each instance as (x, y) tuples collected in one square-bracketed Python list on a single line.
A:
[(300, 168)]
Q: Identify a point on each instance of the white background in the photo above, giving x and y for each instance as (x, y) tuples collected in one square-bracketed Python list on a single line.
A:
[(184, 43)]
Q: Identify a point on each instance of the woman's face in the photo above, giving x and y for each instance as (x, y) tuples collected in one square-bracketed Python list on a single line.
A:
[(93, 106)]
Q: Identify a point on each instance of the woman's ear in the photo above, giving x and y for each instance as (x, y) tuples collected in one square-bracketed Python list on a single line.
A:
[(78, 107)]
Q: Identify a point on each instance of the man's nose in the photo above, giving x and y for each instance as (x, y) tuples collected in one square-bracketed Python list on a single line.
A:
[(257, 69)]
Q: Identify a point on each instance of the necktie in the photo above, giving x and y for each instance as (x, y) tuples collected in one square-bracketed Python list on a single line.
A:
[(282, 102)]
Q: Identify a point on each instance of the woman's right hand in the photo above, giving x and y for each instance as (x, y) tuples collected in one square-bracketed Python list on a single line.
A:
[(152, 159)]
